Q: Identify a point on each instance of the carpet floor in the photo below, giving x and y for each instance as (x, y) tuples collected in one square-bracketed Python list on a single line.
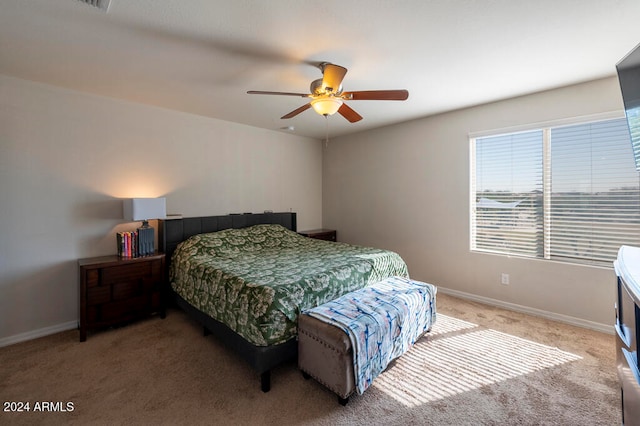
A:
[(480, 365)]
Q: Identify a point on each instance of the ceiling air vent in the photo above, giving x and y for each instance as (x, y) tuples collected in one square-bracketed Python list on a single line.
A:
[(102, 4)]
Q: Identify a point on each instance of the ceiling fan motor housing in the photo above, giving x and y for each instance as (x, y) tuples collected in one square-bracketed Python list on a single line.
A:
[(317, 88)]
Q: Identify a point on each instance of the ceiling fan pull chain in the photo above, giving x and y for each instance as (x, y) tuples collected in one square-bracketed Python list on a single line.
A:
[(326, 140)]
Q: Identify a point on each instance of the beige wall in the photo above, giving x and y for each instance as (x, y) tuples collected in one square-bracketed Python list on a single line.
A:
[(406, 188), (66, 158)]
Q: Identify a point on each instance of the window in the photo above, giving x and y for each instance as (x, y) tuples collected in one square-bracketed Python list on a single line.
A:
[(564, 193)]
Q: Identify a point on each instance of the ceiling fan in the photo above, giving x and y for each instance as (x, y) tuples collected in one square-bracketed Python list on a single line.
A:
[(327, 96)]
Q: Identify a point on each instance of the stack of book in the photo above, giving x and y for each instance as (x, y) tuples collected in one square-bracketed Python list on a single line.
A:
[(127, 244), (136, 244)]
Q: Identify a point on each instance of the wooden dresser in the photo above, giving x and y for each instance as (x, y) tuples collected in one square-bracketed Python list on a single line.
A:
[(320, 234), (115, 290), (627, 267)]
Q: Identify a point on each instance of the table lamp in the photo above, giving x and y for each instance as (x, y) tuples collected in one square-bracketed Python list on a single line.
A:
[(145, 209)]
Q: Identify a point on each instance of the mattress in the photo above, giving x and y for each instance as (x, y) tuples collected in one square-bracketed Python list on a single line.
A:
[(256, 280)]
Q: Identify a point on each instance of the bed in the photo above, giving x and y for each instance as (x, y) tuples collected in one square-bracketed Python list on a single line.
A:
[(247, 277)]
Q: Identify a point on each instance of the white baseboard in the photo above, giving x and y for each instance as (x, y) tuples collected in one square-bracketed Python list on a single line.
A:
[(41, 332), (604, 328)]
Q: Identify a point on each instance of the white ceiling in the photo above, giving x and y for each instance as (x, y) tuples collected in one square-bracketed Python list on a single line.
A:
[(201, 56)]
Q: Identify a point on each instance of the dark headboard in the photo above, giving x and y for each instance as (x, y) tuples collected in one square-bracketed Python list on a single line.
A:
[(172, 232)]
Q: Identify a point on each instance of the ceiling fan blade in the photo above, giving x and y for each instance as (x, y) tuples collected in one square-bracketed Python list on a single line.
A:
[(297, 111), (332, 76), (347, 112), (260, 92), (376, 95)]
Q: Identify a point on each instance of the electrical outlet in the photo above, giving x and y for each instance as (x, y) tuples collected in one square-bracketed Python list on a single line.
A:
[(505, 279)]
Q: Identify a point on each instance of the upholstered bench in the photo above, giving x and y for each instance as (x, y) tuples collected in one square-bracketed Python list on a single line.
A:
[(386, 318)]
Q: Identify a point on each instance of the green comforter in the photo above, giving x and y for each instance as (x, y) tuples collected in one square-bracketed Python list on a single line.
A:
[(256, 280)]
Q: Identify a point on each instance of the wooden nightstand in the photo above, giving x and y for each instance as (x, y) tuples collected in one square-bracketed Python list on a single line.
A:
[(320, 234), (115, 290)]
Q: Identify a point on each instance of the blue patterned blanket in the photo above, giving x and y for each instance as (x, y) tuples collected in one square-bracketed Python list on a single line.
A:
[(383, 321)]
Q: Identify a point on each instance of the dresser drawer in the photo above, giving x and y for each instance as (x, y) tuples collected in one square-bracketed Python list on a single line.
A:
[(124, 310), (125, 273)]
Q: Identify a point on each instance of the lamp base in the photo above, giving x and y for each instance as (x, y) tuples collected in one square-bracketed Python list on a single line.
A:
[(146, 236)]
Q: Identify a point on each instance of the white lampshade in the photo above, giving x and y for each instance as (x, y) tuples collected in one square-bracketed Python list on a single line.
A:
[(327, 105), (144, 208)]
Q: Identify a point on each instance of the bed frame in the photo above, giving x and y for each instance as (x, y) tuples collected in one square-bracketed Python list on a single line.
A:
[(172, 232)]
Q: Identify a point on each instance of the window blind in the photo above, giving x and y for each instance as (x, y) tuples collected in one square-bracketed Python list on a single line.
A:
[(567, 193), (595, 192), (507, 210)]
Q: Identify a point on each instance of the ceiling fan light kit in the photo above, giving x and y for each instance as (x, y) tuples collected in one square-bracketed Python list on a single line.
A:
[(327, 96), (327, 105)]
